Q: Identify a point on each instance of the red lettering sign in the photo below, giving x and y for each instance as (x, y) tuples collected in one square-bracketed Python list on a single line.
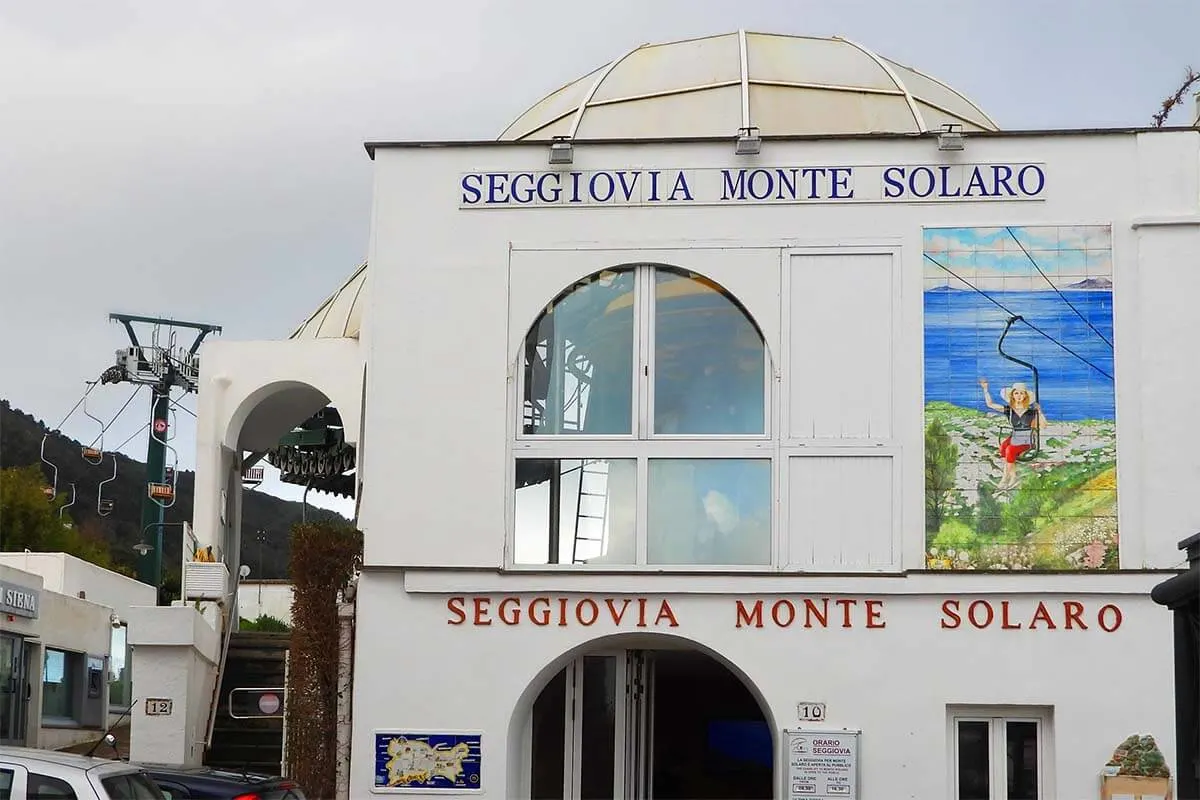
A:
[(1015, 615), (808, 613), (562, 611), (783, 612)]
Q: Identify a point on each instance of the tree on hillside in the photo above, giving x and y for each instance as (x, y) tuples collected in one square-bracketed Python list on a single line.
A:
[(29, 520)]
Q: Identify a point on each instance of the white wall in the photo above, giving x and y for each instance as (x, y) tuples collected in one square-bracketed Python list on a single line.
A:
[(63, 623), (273, 598), (252, 393), (439, 321), (177, 651), (894, 680), (69, 575)]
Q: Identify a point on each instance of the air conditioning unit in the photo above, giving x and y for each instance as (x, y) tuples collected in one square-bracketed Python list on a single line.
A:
[(205, 580)]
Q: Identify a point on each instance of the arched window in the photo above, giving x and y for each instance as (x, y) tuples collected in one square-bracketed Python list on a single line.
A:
[(644, 429)]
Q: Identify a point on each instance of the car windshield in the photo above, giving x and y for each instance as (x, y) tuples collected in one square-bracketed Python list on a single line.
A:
[(131, 786)]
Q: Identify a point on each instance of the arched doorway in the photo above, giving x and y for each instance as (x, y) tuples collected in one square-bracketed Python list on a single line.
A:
[(667, 723)]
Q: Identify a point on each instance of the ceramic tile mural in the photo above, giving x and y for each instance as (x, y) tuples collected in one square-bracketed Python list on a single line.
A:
[(1020, 431)]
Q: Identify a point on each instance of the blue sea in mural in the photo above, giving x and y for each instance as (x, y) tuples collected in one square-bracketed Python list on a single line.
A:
[(962, 329)]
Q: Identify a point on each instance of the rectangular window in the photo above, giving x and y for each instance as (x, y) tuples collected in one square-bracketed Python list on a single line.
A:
[(999, 757), (119, 672), (576, 511), (59, 683), (709, 511)]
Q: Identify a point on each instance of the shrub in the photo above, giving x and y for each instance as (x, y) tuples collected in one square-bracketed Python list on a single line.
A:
[(324, 557)]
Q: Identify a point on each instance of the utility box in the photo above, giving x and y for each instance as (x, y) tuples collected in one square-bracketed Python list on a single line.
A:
[(205, 580)]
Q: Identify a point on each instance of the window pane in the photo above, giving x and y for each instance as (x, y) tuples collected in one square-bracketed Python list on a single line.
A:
[(709, 360), (1022, 760), (45, 787), (118, 669), (548, 756), (58, 684), (135, 786), (576, 511), (578, 360), (973, 776), (709, 511), (599, 727)]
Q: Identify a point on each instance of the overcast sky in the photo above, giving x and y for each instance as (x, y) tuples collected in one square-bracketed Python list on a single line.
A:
[(204, 160)]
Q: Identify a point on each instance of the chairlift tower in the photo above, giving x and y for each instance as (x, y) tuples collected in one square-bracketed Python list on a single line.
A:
[(164, 366)]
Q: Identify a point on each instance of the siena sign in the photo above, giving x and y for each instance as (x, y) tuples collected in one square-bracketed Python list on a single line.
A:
[(17, 600), (921, 183)]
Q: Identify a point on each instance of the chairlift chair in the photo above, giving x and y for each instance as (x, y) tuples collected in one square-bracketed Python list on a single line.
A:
[(52, 490), (1036, 432), (105, 505), (93, 455), (163, 494), (63, 509)]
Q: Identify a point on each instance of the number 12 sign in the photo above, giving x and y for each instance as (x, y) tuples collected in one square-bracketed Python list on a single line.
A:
[(158, 706), (810, 712)]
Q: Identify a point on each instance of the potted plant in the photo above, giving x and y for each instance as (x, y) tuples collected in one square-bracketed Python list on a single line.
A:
[(1137, 768)]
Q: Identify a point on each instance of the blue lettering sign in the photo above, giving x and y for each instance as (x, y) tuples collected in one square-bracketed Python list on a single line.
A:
[(470, 187), (754, 185), (893, 182), (681, 185)]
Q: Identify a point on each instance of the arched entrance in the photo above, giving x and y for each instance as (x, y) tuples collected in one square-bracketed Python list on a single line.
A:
[(667, 723)]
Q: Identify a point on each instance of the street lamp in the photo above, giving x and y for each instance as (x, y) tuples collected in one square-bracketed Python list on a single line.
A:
[(142, 548)]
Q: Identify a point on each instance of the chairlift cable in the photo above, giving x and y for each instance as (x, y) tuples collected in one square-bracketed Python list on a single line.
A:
[(1011, 313), (130, 439), (1086, 321), (176, 404), (91, 385), (116, 416)]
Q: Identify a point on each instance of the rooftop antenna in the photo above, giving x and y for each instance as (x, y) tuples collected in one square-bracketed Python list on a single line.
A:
[(163, 368)]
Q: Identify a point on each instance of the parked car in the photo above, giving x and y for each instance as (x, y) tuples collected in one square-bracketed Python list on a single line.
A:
[(26, 772), (207, 783)]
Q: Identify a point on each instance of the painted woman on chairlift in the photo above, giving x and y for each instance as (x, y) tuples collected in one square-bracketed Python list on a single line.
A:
[(1024, 415)]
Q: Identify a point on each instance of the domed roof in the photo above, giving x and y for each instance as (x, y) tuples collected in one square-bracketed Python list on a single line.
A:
[(340, 316), (712, 86)]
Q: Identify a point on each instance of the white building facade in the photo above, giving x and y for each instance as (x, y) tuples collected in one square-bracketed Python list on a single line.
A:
[(784, 467), (65, 574), (64, 666)]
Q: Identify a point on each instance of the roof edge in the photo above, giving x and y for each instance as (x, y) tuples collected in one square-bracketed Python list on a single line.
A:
[(372, 146), (328, 301)]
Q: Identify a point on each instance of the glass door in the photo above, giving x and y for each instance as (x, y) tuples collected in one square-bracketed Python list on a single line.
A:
[(12, 690), (639, 722), (649, 725)]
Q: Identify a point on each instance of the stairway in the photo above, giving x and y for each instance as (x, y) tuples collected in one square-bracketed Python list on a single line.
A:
[(254, 661)]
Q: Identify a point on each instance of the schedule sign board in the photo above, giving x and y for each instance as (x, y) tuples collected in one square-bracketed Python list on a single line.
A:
[(822, 764)]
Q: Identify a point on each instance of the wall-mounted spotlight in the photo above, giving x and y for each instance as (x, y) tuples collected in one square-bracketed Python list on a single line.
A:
[(749, 143), (950, 137), (561, 150)]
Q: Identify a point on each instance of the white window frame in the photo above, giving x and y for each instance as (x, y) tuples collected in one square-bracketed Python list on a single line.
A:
[(997, 718), (642, 444), (795, 447)]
